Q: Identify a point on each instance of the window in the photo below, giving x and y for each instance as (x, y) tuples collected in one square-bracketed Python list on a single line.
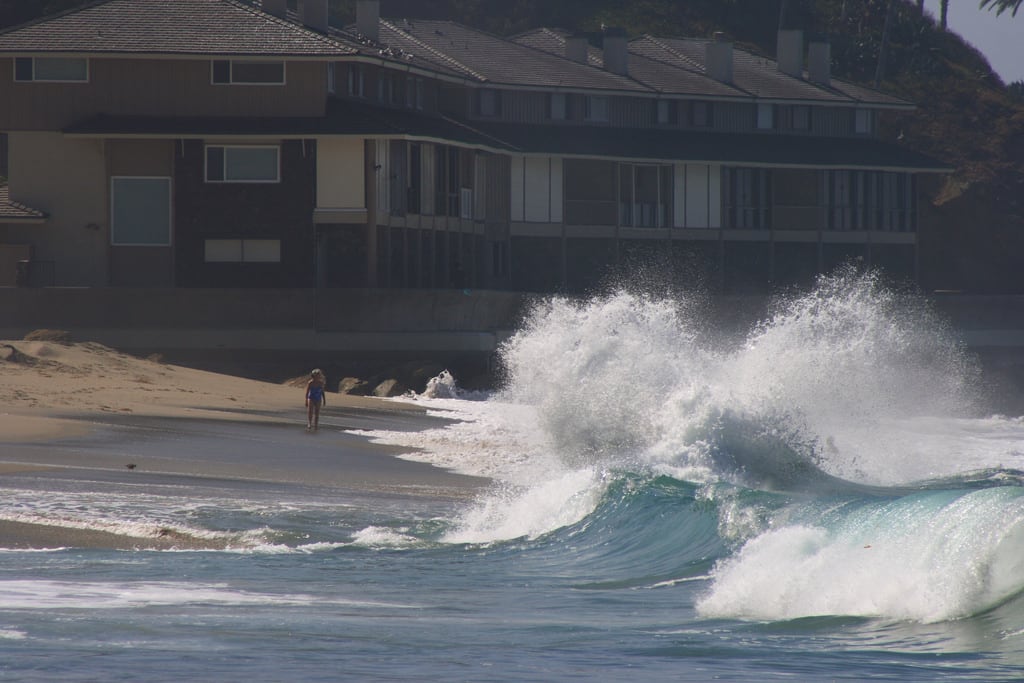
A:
[(330, 78), (356, 81), (801, 117), (242, 164), (664, 113), (140, 211), (700, 114), (242, 251), (420, 88), (596, 108), (765, 116), (558, 106), (490, 102), (645, 195), (385, 89), (861, 121), (745, 198), (51, 69), (231, 72), (589, 192)]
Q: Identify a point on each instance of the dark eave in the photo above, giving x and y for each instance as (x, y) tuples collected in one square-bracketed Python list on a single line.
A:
[(741, 149), (343, 118)]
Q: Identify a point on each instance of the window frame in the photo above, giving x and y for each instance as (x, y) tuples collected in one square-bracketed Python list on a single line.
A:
[(32, 67), (113, 212), (231, 72), (241, 249), (764, 118), (597, 114), (224, 170)]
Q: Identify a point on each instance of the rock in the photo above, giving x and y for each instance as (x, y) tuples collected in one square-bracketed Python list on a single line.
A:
[(354, 386), (389, 388)]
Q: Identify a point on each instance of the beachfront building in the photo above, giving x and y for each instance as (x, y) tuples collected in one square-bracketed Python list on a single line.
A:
[(229, 143)]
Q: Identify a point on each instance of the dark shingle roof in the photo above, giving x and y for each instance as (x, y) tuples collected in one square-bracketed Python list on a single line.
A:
[(676, 66), (697, 146), (16, 211), (170, 27), (484, 58)]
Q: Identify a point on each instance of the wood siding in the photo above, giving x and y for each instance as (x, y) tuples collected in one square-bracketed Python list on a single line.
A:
[(156, 88)]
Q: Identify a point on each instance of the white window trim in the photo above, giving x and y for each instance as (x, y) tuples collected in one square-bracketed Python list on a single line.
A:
[(14, 71), (231, 72), (170, 212), (206, 164)]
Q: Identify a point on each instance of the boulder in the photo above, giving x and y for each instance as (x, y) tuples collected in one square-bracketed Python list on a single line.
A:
[(390, 388), (354, 386)]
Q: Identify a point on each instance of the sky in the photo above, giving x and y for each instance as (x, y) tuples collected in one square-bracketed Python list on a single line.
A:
[(999, 38)]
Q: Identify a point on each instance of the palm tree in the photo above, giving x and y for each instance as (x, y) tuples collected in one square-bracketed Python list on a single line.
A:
[(1002, 5), (944, 13)]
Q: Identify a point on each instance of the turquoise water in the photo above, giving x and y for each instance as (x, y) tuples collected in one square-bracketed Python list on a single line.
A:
[(824, 498)]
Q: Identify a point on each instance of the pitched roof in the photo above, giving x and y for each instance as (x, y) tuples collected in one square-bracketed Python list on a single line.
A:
[(676, 66), (170, 27), (704, 147), (487, 59), (16, 212)]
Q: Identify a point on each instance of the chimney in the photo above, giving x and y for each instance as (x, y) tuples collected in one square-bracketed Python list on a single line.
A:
[(314, 14), (279, 8), (790, 52), (718, 58), (576, 48), (368, 19), (819, 62), (616, 51)]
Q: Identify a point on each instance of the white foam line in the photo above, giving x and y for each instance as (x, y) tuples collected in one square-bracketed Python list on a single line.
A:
[(46, 595)]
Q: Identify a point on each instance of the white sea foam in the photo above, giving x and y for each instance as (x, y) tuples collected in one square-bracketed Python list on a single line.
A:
[(49, 595), (927, 558), (853, 381)]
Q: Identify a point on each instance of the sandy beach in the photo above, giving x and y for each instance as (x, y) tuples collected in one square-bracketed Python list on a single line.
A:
[(83, 411)]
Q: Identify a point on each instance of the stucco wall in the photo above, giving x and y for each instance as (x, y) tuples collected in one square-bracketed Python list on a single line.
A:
[(66, 178)]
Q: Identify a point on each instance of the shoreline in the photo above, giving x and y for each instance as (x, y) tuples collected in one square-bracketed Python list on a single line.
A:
[(83, 417)]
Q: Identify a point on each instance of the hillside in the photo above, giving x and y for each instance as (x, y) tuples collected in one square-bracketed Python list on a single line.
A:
[(966, 116)]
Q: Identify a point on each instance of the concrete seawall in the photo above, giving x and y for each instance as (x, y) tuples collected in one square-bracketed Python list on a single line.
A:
[(368, 319)]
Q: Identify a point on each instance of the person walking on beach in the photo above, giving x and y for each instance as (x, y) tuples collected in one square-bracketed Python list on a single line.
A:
[(315, 398)]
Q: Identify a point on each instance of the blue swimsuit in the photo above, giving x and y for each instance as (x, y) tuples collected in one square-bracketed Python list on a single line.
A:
[(316, 393)]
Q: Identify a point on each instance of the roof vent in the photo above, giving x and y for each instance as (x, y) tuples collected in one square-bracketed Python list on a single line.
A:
[(368, 19), (279, 8), (790, 52), (616, 51), (314, 14), (819, 62), (718, 58), (576, 48)]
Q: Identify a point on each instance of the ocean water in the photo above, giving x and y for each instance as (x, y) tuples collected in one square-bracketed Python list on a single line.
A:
[(825, 496)]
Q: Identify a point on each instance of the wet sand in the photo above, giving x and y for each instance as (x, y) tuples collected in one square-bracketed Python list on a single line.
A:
[(80, 414)]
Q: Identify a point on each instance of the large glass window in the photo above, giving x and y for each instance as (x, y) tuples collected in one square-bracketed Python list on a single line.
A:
[(226, 72), (52, 69), (242, 164), (645, 195), (746, 194), (140, 211), (589, 192)]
